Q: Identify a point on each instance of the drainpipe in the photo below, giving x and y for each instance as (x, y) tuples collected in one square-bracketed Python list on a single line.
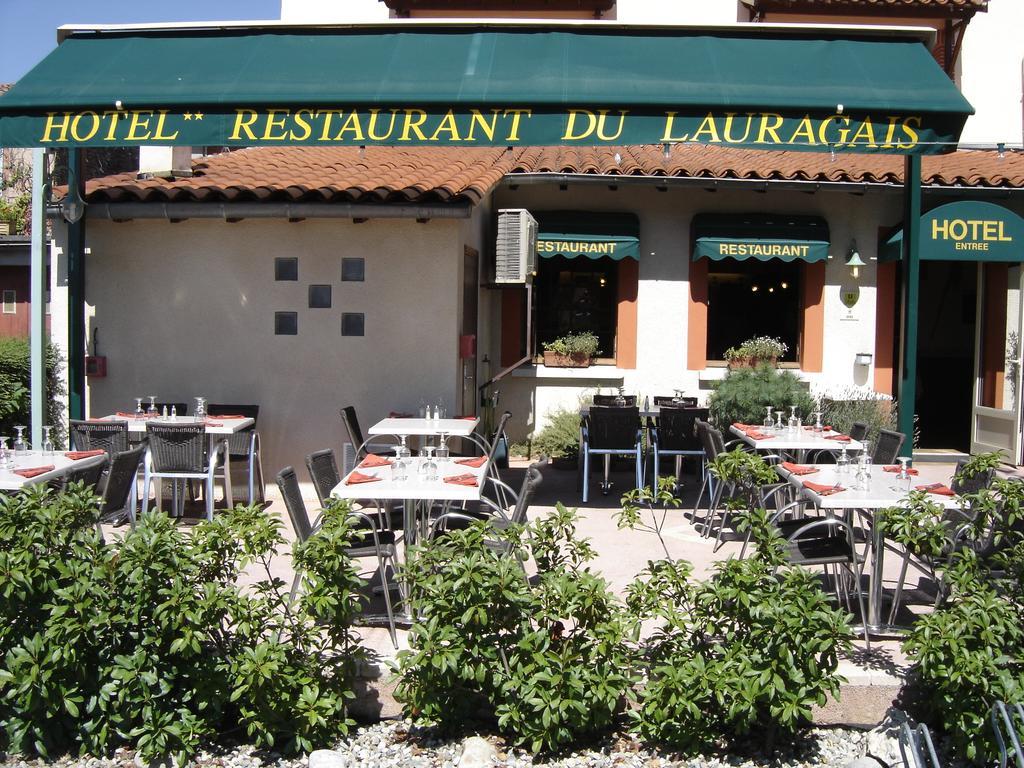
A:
[(911, 290), (76, 295)]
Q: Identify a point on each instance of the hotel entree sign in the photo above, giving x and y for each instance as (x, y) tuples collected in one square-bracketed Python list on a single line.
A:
[(515, 125), (972, 230)]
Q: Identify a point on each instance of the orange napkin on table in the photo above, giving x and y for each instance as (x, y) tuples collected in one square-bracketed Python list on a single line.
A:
[(798, 469), (753, 434), (476, 463), (76, 455), (228, 416), (937, 488), (840, 438), (373, 460), (33, 471), (212, 423), (823, 490), (742, 427), (470, 418), (895, 468), (466, 479), (122, 415), (359, 477)]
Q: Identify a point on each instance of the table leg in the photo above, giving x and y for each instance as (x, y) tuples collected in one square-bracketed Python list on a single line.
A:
[(229, 497), (875, 594)]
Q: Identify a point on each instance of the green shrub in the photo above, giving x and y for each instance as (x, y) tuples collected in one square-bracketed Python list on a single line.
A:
[(744, 394), (560, 438), (583, 343), (745, 654), (150, 642), (15, 395), (841, 410), (544, 660), (762, 348)]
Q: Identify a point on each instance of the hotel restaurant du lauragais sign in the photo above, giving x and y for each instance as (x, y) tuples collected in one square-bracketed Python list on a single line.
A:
[(244, 126)]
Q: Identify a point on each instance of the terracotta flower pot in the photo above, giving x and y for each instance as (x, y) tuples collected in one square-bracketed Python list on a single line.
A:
[(576, 360)]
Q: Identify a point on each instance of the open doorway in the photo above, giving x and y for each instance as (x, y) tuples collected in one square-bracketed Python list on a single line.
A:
[(945, 357)]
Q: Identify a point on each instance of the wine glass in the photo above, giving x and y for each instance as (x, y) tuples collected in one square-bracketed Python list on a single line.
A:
[(200, 408), (428, 469), (842, 461), (139, 413), (767, 419), (903, 476), (151, 412), (817, 421), (443, 453), (778, 421), (47, 443), (793, 424), (6, 464), (20, 446)]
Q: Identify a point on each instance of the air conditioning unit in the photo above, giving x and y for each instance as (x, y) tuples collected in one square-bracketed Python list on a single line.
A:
[(516, 250)]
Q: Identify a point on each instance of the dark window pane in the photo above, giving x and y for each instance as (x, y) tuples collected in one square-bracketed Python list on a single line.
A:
[(286, 268), (575, 295), (286, 323), (319, 297), (353, 324), (353, 270)]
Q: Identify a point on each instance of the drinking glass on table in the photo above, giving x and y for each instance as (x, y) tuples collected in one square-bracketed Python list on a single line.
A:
[(793, 421), (778, 421), (20, 446), (139, 412), (47, 443), (842, 462), (428, 469), (904, 479), (152, 412), (200, 408), (6, 464), (817, 421), (443, 453), (768, 423)]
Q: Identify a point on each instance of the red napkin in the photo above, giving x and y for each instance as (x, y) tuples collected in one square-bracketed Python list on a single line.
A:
[(373, 460), (895, 468), (823, 490), (753, 434), (742, 427), (33, 471), (798, 469), (840, 438), (122, 415), (210, 423), (359, 477), (466, 479), (76, 455), (476, 463), (229, 416), (470, 418), (937, 488)]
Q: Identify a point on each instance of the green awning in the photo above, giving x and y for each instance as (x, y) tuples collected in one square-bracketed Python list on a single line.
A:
[(760, 236), (596, 236), (967, 230), (463, 85)]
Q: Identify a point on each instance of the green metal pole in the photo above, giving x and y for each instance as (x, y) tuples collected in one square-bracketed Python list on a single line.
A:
[(37, 299), (911, 294), (76, 297)]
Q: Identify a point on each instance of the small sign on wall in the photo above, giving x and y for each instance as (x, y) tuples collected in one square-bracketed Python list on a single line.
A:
[(849, 294)]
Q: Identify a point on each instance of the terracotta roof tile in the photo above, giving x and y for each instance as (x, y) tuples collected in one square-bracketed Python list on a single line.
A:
[(886, 6), (466, 175)]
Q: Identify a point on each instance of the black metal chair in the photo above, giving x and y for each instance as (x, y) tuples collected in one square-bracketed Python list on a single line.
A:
[(323, 471), (858, 430), (675, 434), (111, 436), (244, 445), (674, 401), (360, 444), (887, 448), (90, 475), (369, 541), (122, 485), (180, 452), (611, 431), (621, 401)]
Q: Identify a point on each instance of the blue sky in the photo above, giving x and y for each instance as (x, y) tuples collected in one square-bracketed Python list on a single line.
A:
[(28, 27)]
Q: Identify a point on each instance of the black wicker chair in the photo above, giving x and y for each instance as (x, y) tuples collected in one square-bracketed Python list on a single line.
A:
[(244, 445), (111, 436), (360, 444), (616, 400), (119, 496), (888, 447), (323, 471), (675, 434), (674, 401), (180, 452), (89, 475), (373, 541), (611, 431)]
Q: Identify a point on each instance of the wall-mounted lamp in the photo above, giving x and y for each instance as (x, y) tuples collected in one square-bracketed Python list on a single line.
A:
[(853, 259), (73, 206), (862, 358)]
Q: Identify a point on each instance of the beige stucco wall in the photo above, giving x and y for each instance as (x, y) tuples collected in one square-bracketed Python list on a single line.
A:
[(188, 309)]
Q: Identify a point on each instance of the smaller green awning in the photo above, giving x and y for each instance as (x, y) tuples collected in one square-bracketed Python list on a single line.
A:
[(594, 235), (760, 236), (967, 230)]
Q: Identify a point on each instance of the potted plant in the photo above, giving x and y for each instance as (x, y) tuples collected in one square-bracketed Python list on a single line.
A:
[(574, 350), (753, 352)]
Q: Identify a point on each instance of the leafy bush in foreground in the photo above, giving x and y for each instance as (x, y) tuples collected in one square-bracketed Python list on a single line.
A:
[(150, 641), (544, 659)]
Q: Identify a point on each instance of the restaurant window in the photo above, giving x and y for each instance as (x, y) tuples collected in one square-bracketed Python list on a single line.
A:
[(10, 301), (575, 295), (752, 298)]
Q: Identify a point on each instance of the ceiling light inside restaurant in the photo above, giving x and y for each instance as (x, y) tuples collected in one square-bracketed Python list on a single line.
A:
[(784, 286), (753, 289)]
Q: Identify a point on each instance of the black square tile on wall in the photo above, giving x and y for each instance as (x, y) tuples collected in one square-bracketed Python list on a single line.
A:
[(286, 323), (353, 324), (353, 270), (286, 268), (319, 297)]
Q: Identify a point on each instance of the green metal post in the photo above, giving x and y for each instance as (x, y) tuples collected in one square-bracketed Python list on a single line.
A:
[(911, 292), (76, 297), (37, 299)]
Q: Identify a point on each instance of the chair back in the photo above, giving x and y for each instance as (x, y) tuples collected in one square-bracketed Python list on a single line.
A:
[(966, 485), (674, 401), (111, 436), (288, 484), (707, 442), (323, 471), (613, 427), (178, 447), (677, 428), (498, 432), (531, 480), (355, 434), (887, 448), (124, 470), (858, 430), (89, 475), (238, 442), (623, 400)]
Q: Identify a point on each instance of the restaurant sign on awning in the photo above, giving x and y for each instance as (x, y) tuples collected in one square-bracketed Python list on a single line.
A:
[(615, 247), (446, 84), (760, 236)]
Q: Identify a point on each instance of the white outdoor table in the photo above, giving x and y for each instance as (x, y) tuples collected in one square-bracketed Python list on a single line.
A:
[(799, 444), (61, 466), (421, 427), (217, 427), (882, 492)]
